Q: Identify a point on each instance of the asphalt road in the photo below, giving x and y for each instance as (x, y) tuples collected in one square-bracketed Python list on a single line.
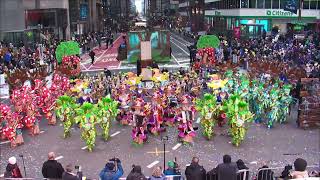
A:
[(106, 57), (276, 147)]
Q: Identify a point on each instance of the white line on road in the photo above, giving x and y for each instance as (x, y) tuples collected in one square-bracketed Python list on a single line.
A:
[(185, 60), (84, 147), (42, 132), (176, 146), (59, 157), (152, 164), (180, 48), (5, 142), (198, 120), (178, 37), (114, 134), (183, 44), (97, 60), (175, 59)]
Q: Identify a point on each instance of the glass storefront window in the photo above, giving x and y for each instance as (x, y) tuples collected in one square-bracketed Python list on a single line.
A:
[(244, 3), (306, 4), (260, 4), (275, 4), (267, 4), (313, 4), (252, 3)]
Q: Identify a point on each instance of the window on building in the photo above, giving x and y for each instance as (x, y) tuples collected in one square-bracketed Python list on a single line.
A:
[(313, 4), (306, 4), (282, 4), (267, 4), (275, 4), (234, 4), (244, 3), (252, 3), (260, 4)]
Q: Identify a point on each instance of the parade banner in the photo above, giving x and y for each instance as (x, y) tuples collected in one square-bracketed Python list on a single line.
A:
[(146, 50), (159, 42)]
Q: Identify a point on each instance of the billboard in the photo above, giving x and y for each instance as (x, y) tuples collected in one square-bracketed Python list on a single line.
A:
[(84, 11), (159, 42)]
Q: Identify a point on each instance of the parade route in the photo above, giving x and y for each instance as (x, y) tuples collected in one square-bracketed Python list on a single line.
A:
[(106, 57), (258, 148)]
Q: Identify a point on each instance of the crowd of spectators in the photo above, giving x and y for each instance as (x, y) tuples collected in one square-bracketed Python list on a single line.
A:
[(285, 48), (113, 170)]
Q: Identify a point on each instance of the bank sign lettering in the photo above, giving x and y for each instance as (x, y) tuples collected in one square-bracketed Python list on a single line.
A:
[(279, 13)]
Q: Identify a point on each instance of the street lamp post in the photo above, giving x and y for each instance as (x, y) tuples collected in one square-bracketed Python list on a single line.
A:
[(164, 139)]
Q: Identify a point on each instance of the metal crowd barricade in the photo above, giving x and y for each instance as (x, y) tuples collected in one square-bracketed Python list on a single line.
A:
[(171, 177), (275, 173), (243, 174)]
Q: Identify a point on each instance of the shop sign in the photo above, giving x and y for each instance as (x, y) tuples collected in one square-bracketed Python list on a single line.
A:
[(279, 13), (217, 13)]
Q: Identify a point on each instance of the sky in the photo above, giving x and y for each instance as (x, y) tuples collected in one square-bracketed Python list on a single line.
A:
[(138, 5)]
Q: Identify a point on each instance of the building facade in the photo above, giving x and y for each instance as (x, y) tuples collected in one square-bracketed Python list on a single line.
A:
[(21, 17), (191, 15), (86, 16), (254, 17)]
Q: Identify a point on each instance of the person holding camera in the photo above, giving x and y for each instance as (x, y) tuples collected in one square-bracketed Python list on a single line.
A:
[(173, 169), (68, 175), (112, 171)]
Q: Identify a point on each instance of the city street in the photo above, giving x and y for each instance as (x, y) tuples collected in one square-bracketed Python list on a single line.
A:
[(106, 57), (258, 148)]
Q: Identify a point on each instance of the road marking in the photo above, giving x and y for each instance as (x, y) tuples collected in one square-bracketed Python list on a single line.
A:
[(83, 148), (5, 142), (4, 97), (178, 37), (59, 157), (185, 60), (175, 59), (97, 60), (198, 120), (183, 44), (114, 134), (42, 132), (152, 164), (176, 146), (180, 48)]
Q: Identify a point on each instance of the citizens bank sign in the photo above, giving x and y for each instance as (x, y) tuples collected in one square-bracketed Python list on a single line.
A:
[(279, 13)]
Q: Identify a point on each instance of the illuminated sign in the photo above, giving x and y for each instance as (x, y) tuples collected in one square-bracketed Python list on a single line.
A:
[(279, 13)]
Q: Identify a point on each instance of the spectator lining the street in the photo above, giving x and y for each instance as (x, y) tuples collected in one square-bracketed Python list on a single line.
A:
[(227, 170), (68, 175), (300, 171), (12, 169), (195, 171), (265, 173), (242, 166), (171, 169), (136, 174), (157, 174), (52, 169), (112, 171)]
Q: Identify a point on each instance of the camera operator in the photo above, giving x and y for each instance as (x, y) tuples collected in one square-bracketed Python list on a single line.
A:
[(112, 171), (68, 175), (173, 169)]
